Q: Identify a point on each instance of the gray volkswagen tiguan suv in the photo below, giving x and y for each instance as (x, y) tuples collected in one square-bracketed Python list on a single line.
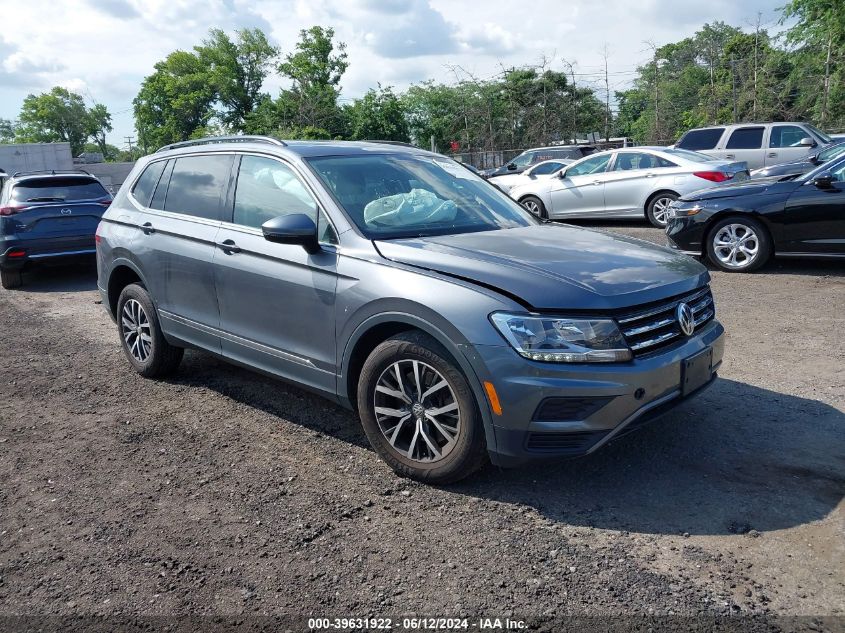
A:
[(397, 283)]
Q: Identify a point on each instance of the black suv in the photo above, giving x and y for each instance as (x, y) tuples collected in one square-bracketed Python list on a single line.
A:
[(45, 215)]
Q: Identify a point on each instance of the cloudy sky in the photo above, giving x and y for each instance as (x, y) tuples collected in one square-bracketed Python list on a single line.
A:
[(103, 48)]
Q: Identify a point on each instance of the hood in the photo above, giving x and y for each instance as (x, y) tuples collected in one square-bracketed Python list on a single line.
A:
[(784, 169), (555, 267), (754, 186)]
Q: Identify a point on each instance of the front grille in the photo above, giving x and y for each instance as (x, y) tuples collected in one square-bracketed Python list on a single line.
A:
[(650, 328), (568, 409), (575, 443)]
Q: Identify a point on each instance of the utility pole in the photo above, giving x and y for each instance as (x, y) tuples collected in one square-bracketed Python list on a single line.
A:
[(574, 103), (733, 90), (756, 46), (606, 100), (129, 140)]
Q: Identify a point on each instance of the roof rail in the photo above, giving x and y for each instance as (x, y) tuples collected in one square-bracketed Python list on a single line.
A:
[(51, 172), (403, 143), (234, 138)]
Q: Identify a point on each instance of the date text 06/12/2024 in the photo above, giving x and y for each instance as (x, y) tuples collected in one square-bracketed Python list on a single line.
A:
[(417, 624)]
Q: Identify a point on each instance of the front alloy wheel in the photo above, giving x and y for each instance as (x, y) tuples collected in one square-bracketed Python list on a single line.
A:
[(739, 245), (417, 411)]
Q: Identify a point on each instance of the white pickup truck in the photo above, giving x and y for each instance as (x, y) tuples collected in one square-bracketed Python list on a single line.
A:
[(758, 144)]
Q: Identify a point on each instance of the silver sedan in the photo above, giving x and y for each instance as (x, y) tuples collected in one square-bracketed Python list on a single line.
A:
[(626, 183)]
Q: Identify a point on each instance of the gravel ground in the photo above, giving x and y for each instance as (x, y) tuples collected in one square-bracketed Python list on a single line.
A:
[(224, 492)]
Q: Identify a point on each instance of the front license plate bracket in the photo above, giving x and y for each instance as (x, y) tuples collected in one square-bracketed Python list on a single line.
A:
[(696, 371)]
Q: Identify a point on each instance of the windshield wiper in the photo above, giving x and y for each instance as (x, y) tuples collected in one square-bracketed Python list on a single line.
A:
[(45, 199)]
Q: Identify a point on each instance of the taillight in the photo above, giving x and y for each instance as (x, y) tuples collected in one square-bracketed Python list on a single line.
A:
[(712, 176), (97, 238), (105, 203), (16, 253), (11, 210)]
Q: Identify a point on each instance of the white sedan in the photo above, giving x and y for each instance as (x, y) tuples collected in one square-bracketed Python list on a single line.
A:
[(625, 183), (547, 168)]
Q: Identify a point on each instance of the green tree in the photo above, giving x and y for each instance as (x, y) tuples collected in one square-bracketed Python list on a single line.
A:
[(60, 115), (819, 36), (379, 114), (237, 70), (7, 131), (174, 101), (315, 70)]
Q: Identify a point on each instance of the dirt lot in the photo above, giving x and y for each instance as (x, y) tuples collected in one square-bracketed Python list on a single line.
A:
[(223, 492)]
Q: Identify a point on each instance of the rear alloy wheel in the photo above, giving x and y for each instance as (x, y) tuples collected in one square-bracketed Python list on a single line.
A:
[(10, 279), (141, 337), (657, 209), (739, 245), (419, 412), (535, 206)]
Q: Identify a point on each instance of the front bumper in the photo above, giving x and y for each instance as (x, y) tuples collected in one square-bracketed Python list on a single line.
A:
[(566, 411)]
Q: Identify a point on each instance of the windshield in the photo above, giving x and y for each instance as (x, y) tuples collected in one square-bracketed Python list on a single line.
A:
[(824, 137), (695, 157), (832, 152), (404, 195)]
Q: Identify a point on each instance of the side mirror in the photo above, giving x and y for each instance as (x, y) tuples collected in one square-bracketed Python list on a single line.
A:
[(823, 180), (296, 228), (511, 166), (561, 174), (807, 142)]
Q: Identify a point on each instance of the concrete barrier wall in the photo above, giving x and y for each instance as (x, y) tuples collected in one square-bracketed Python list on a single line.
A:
[(112, 175)]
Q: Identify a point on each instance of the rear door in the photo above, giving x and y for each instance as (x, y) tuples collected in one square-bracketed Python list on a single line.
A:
[(177, 241), (631, 178), (277, 301), (56, 212), (745, 143), (785, 144), (580, 190)]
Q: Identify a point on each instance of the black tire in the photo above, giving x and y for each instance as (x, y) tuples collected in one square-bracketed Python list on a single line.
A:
[(467, 452), (741, 225), (11, 279), (535, 206), (160, 357), (653, 210)]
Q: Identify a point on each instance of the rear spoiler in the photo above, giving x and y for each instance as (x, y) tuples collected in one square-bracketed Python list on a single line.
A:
[(51, 172)]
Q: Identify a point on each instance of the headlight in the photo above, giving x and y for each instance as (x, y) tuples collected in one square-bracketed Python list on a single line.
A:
[(563, 340), (680, 212)]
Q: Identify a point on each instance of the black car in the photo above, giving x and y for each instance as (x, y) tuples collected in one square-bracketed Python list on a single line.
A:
[(810, 161), (533, 156), (739, 227), (46, 216)]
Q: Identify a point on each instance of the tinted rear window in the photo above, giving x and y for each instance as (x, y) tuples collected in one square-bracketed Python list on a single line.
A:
[(701, 139), (143, 189), (746, 138), (58, 189), (198, 185)]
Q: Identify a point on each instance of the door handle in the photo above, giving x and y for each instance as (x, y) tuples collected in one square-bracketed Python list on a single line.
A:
[(229, 247), (772, 154), (597, 182), (730, 156), (649, 175), (147, 228)]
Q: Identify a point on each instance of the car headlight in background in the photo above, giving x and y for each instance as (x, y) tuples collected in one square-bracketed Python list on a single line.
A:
[(561, 339)]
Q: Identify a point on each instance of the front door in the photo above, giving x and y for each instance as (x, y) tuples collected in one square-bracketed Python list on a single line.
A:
[(579, 192), (277, 302), (814, 217), (785, 144)]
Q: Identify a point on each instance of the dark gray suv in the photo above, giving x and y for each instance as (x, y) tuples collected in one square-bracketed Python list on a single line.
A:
[(398, 283)]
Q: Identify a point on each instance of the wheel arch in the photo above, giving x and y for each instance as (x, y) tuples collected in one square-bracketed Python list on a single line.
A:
[(379, 328), (123, 272)]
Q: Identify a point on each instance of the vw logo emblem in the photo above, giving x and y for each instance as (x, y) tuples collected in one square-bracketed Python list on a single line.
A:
[(66, 211), (418, 410), (685, 318)]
